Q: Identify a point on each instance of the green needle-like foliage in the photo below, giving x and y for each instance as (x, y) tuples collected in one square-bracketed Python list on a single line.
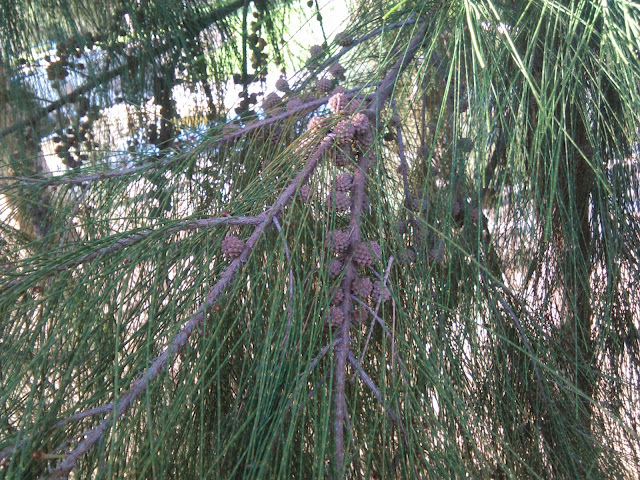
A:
[(417, 260)]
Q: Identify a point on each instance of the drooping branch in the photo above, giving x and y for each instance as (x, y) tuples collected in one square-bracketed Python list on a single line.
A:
[(137, 237), (191, 325)]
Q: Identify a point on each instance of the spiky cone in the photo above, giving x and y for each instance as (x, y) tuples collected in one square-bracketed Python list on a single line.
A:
[(340, 241), (315, 52), (407, 256), (344, 132), (338, 297), (305, 193), (362, 256), (324, 85), (316, 124), (380, 293), (336, 316), (343, 182), (232, 246), (359, 315), (338, 200), (336, 71), (336, 267), (337, 102), (376, 250), (362, 287), (343, 156)]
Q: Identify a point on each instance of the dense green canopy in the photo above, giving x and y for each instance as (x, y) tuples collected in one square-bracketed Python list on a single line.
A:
[(410, 251)]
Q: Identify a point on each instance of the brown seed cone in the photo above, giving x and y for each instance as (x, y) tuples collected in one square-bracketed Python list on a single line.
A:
[(232, 246), (362, 287), (436, 254), (343, 157), (340, 240), (338, 200), (336, 316), (344, 39), (360, 122), (336, 70), (335, 267), (324, 85), (378, 291), (375, 249), (344, 131), (293, 103), (407, 256), (338, 297), (362, 256), (316, 123), (338, 102), (315, 51), (270, 101), (343, 182)]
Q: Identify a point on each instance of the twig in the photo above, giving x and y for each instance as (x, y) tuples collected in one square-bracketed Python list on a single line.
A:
[(137, 237), (192, 324), (359, 180), (376, 392), (375, 312), (229, 137)]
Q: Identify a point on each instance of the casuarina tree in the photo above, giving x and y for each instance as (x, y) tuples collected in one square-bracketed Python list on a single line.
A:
[(407, 251)]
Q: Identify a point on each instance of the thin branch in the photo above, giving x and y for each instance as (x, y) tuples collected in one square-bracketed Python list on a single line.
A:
[(375, 312), (226, 138), (137, 237), (376, 392)]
